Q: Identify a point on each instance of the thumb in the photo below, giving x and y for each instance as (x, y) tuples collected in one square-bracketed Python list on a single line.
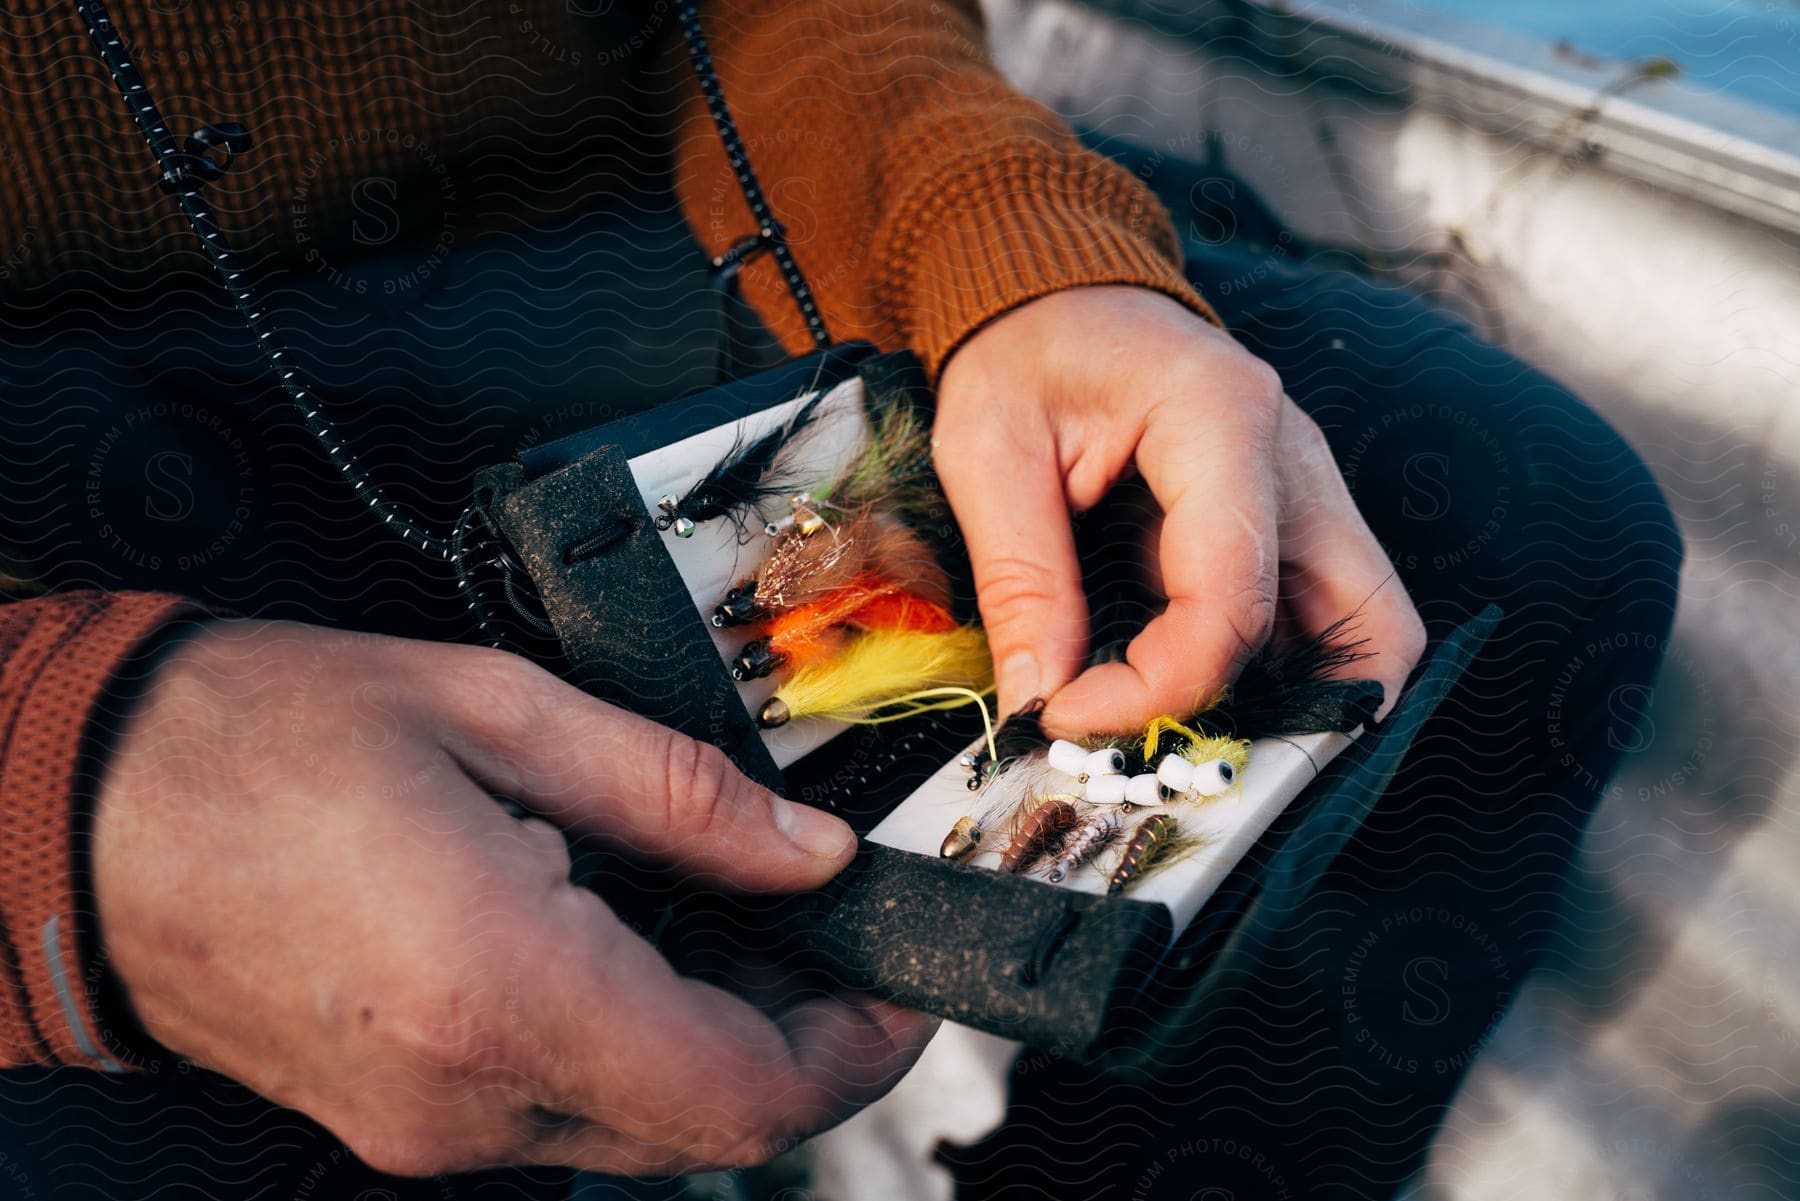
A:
[(595, 769), (1015, 523)]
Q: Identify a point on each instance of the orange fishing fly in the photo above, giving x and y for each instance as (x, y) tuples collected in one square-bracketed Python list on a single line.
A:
[(811, 633), (804, 567)]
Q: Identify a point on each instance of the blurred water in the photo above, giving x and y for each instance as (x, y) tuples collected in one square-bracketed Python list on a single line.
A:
[(1749, 49)]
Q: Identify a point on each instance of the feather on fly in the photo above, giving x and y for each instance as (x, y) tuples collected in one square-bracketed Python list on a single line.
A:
[(879, 671), (749, 476)]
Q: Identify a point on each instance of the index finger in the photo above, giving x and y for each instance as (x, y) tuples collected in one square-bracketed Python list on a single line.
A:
[(1218, 554), (1005, 486), (660, 1073)]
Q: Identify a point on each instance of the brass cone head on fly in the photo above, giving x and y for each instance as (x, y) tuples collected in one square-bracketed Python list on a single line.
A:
[(774, 713), (962, 841)]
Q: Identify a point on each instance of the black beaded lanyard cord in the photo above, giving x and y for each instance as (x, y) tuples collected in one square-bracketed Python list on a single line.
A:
[(186, 165)]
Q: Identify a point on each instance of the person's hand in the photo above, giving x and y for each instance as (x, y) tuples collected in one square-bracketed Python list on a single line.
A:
[(304, 883), (1043, 410)]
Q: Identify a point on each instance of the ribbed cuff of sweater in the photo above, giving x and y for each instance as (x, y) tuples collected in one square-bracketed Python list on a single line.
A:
[(61, 658), (1046, 221)]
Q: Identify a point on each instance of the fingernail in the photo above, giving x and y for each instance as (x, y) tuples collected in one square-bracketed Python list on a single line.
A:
[(1019, 677), (814, 831)]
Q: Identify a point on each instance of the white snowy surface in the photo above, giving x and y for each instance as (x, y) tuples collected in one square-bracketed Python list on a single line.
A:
[(956, 1093)]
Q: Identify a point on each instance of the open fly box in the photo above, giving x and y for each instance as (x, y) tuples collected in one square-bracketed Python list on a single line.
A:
[(629, 593)]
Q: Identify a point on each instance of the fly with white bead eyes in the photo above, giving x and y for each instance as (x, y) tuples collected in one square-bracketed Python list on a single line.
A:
[(1130, 776), (1177, 761)]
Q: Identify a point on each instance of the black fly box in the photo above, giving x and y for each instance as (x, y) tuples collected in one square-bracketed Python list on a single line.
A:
[(627, 598)]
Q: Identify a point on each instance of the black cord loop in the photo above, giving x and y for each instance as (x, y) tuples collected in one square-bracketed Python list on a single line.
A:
[(184, 169), (185, 166)]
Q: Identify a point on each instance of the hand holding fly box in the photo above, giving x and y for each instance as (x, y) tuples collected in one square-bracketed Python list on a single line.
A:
[(769, 564), (1027, 886)]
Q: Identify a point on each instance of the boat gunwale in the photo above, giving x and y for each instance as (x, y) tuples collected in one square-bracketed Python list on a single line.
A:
[(1664, 130)]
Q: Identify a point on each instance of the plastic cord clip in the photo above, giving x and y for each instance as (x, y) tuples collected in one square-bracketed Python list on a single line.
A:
[(195, 164), (724, 267)]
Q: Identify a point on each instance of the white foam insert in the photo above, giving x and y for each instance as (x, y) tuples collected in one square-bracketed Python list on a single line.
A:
[(1229, 825), (712, 560)]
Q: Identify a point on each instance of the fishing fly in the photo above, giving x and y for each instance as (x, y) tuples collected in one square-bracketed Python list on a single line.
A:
[(1019, 737), (892, 471), (1089, 837), (808, 564), (1296, 689), (804, 519), (967, 835), (878, 673), (811, 633), (1155, 841), (748, 477), (1039, 832), (963, 840)]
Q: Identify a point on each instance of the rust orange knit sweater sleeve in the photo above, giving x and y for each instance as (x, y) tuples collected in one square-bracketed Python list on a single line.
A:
[(922, 196), (58, 654)]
